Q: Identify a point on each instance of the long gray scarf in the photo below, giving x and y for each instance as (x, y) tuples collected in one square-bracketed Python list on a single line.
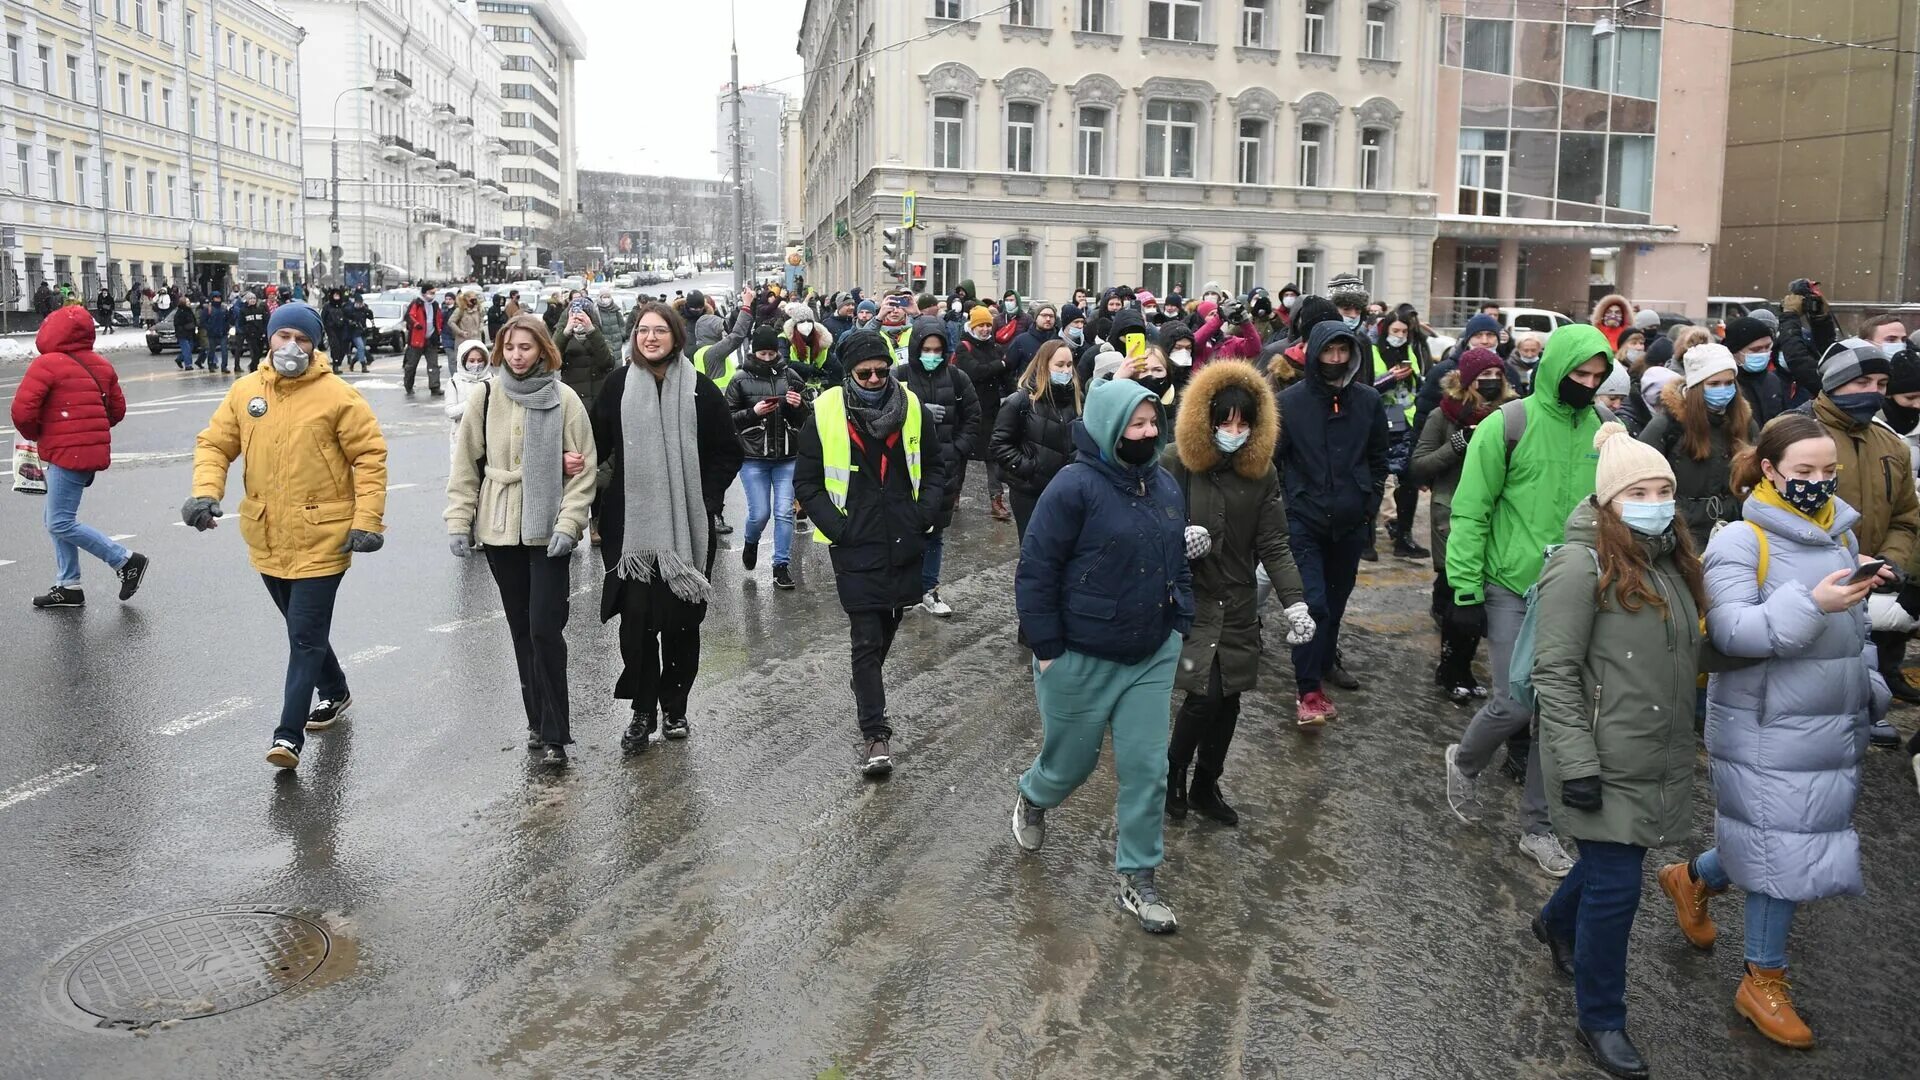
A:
[(540, 466), (666, 512)]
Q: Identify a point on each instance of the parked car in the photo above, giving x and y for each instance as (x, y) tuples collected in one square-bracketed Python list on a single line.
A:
[(389, 326), (1720, 309), (1534, 320), (161, 337)]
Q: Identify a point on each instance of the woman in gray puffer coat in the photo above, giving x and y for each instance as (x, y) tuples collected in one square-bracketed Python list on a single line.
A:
[(1787, 732)]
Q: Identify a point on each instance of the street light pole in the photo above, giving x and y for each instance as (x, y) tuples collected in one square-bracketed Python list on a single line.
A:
[(333, 217), (739, 173)]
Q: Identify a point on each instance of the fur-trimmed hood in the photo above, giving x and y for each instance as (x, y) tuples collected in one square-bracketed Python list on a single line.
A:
[(822, 337), (1600, 307), (1193, 427)]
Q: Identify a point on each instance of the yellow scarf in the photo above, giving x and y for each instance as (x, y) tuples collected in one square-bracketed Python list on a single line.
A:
[(1771, 496)]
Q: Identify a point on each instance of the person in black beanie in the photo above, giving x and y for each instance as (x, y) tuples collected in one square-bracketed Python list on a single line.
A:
[(1175, 339), (1751, 343), (768, 400)]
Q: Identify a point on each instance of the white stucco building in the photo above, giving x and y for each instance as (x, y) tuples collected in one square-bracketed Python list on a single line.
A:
[(539, 45)]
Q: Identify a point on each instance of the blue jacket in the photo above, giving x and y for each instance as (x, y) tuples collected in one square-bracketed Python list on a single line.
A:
[(217, 320), (1333, 444), (1103, 567)]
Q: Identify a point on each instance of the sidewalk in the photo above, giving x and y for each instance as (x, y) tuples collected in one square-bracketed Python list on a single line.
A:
[(19, 347)]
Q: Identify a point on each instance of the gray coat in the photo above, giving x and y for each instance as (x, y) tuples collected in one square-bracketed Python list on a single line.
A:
[(1786, 735)]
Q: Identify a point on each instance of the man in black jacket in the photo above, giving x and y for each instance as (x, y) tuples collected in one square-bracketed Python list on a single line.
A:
[(251, 320), (875, 509), (1332, 457), (949, 396)]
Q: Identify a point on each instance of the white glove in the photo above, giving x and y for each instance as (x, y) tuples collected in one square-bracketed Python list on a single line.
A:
[(560, 545), (1299, 625), (1199, 541), (938, 410)]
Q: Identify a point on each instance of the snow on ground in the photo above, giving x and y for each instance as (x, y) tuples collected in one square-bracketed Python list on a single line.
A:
[(19, 347)]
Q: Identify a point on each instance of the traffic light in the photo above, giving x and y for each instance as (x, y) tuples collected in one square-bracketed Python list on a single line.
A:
[(893, 252)]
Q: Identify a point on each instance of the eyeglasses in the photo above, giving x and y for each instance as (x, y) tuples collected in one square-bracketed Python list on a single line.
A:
[(870, 375), (653, 331)]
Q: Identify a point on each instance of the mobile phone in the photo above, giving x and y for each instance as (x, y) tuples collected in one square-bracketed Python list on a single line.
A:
[(1867, 570)]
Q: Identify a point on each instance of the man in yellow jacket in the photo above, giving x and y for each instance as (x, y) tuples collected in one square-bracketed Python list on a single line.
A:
[(315, 476)]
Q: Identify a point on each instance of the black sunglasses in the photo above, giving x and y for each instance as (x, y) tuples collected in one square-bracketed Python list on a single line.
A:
[(870, 375)]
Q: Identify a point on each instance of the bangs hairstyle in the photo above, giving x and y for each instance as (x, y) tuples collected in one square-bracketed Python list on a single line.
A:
[(1624, 565), (676, 326), (1038, 378), (1234, 399), (543, 341)]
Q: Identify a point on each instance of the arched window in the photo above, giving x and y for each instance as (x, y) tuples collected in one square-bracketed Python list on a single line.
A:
[(1378, 120), (1313, 160), (953, 89), (1025, 93), (1089, 265), (1096, 101)]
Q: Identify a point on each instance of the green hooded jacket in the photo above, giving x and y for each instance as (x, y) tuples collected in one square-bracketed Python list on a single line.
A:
[(1506, 513)]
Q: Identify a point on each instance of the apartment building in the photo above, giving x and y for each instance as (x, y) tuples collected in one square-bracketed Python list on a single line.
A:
[(539, 45)]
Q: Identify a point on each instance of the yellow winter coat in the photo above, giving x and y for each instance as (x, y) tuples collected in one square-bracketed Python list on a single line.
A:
[(314, 466)]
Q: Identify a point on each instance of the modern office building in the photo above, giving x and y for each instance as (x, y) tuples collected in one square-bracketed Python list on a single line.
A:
[(762, 124), (539, 44)]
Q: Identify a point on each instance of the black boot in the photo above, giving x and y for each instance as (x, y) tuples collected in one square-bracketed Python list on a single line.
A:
[(1205, 799), (1614, 1053), (639, 734), (1177, 793), (1893, 653)]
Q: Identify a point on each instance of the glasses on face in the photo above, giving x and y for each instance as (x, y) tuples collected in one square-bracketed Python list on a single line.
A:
[(653, 331), (870, 375)]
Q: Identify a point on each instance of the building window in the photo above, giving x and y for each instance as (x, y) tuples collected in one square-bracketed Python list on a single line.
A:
[(260, 62), (1089, 260), (46, 68), (1173, 134), (1166, 265), (23, 169), (1250, 163), (1246, 270), (1379, 44), (1022, 118), (230, 44), (1253, 24), (1178, 20), (1367, 269), (153, 192), (166, 24), (128, 203), (126, 96), (73, 77), (1489, 46), (173, 197), (1090, 157), (166, 107), (1638, 74), (1023, 13), (1373, 158), (1630, 173), (949, 253), (193, 41), (1588, 61), (1313, 141), (253, 210), (193, 115), (80, 180), (1016, 266), (1094, 17), (248, 128), (146, 100), (53, 175), (1306, 270), (947, 9), (194, 196), (120, 12), (1313, 30), (1483, 172), (949, 126), (140, 15), (14, 73)]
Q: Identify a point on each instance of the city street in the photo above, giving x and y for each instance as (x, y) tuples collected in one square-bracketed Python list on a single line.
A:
[(743, 903)]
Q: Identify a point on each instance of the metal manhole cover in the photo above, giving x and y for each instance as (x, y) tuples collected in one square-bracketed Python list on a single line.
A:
[(188, 964)]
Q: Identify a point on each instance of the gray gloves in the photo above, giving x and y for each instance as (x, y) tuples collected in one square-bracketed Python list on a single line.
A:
[(1299, 625), (1458, 440), (1199, 541), (200, 511), (363, 541), (560, 546), (460, 544), (937, 410)]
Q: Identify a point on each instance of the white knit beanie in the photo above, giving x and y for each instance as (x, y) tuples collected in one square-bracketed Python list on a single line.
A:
[(1624, 462), (1704, 361)]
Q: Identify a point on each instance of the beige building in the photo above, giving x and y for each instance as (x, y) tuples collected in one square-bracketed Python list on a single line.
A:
[(1821, 153), (539, 45), (1165, 143), (148, 141)]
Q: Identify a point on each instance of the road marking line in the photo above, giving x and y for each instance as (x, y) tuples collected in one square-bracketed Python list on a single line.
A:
[(149, 412), (193, 720), (8, 562), (45, 782), (158, 455), (400, 487), (375, 653), (462, 624)]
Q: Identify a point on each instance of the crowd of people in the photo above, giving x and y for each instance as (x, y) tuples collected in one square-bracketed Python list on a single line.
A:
[(1656, 535)]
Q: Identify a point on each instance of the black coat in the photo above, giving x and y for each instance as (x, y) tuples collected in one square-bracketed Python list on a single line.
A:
[(1033, 440), (720, 458), (1333, 460), (985, 362), (959, 424), (1766, 394), (775, 436), (585, 364), (879, 541)]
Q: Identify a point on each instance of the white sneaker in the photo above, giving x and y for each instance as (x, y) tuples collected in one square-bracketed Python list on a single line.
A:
[(1460, 789), (1140, 899), (1916, 769), (933, 605), (1546, 850)]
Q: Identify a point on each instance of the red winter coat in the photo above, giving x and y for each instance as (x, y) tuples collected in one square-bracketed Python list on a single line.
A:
[(59, 406), (417, 320)]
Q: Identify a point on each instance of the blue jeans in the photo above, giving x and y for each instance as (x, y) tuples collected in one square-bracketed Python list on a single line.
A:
[(359, 350), (930, 562), (307, 606), (217, 350), (70, 537), (1594, 909), (186, 351), (769, 487), (1328, 566), (1769, 918)]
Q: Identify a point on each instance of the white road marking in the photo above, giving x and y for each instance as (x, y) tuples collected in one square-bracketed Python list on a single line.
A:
[(375, 653), (45, 782), (193, 720), (152, 456), (400, 487), (462, 624), (148, 412), (8, 562), (117, 537)]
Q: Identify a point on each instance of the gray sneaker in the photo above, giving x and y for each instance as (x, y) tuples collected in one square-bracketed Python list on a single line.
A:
[(1883, 735), (1140, 899), (1546, 850), (1460, 794), (1029, 823)]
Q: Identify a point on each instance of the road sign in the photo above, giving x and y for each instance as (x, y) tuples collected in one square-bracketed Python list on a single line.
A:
[(907, 208), (996, 253)]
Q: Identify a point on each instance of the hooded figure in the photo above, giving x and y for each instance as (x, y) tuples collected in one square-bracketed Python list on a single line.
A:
[(1285, 367), (472, 368), (984, 360), (806, 346), (1129, 335), (1613, 315), (713, 344), (949, 397)]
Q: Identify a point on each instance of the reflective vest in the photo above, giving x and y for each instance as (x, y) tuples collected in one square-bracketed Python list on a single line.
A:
[(1401, 393), (897, 338), (812, 358), (836, 446), (727, 367)]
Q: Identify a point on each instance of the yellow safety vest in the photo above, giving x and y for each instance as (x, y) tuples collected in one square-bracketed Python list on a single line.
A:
[(727, 367), (836, 446), (1400, 393)]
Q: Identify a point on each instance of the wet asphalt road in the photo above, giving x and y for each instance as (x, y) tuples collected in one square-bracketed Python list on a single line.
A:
[(742, 903)]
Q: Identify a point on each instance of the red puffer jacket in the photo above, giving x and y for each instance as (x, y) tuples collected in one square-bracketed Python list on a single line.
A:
[(60, 402)]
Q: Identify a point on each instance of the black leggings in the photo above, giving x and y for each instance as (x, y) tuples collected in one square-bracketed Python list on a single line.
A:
[(1204, 729)]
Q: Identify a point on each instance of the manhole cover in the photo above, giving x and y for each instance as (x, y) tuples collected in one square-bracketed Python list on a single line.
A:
[(188, 964)]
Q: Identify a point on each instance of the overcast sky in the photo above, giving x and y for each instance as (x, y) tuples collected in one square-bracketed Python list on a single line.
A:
[(649, 85)]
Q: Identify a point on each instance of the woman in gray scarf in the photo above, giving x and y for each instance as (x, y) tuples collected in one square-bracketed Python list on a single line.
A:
[(522, 480)]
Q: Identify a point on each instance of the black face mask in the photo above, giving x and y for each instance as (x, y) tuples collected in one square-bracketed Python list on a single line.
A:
[(1575, 394), (1902, 418), (1157, 385), (1860, 407), (1334, 375), (1137, 451), (1489, 388)]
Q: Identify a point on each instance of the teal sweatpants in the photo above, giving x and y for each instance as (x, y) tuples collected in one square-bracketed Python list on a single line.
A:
[(1080, 698)]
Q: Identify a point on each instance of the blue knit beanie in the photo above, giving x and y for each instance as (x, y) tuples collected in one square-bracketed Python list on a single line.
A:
[(301, 317), (1480, 324)]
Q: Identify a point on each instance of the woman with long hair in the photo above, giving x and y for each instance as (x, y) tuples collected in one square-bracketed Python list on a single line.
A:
[(1706, 421), (1614, 663), (1033, 433), (1396, 370), (521, 483)]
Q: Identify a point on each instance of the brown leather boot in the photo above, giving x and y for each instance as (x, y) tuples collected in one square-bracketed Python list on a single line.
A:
[(1690, 896), (999, 509), (1765, 997)]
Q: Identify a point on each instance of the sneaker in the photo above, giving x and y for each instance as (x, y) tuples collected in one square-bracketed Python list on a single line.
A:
[(554, 755), (328, 712), (1314, 710), (131, 572), (720, 525), (534, 741), (675, 728), (933, 605), (782, 576), (283, 754), (1546, 850), (638, 736), (1883, 735), (61, 596), (750, 555), (1460, 794), (1140, 899), (1339, 676), (1404, 548), (878, 759), (1029, 823)]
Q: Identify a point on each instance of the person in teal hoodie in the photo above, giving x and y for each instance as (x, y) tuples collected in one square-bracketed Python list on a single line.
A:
[(1105, 600), (1510, 507)]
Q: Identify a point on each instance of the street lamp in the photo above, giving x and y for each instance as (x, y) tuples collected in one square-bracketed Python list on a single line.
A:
[(333, 219)]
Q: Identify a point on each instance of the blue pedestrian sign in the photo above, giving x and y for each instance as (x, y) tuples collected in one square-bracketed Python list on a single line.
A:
[(996, 253)]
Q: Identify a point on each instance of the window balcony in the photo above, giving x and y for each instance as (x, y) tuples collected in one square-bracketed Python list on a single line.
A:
[(395, 149), (393, 82), (442, 114), (463, 125), (444, 170)]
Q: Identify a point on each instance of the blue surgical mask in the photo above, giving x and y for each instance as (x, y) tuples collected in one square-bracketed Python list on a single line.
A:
[(1226, 443), (1061, 378), (1353, 323), (1719, 397), (931, 360), (1647, 519), (1076, 334), (1755, 362)]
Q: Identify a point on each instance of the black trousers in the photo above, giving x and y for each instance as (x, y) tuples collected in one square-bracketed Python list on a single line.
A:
[(533, 589), (872, 639), (1204, 729), (410, 363), (660, 646), (1406, 500), (1023, 505)]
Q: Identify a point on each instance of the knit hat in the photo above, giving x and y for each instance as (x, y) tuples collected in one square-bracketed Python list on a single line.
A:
[(1906, 373), (1654, 380), (696, 302), (1704, 361), (1348, 291), (1146, 298), (1107, 361), (766, 338), (1312, 311), (1848, 360), (1647, 319), (1617, 383), (1767, 319), (859, 345), (1743, 332), (1480, 324), (866, 305), (981, 315), (1660, 352), (1070, 314), (1624, 462), (299, 316), (1475, 362)]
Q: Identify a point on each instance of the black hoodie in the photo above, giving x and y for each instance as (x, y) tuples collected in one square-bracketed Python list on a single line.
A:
[(957, 407), (1125, 321), (1333, 444)]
